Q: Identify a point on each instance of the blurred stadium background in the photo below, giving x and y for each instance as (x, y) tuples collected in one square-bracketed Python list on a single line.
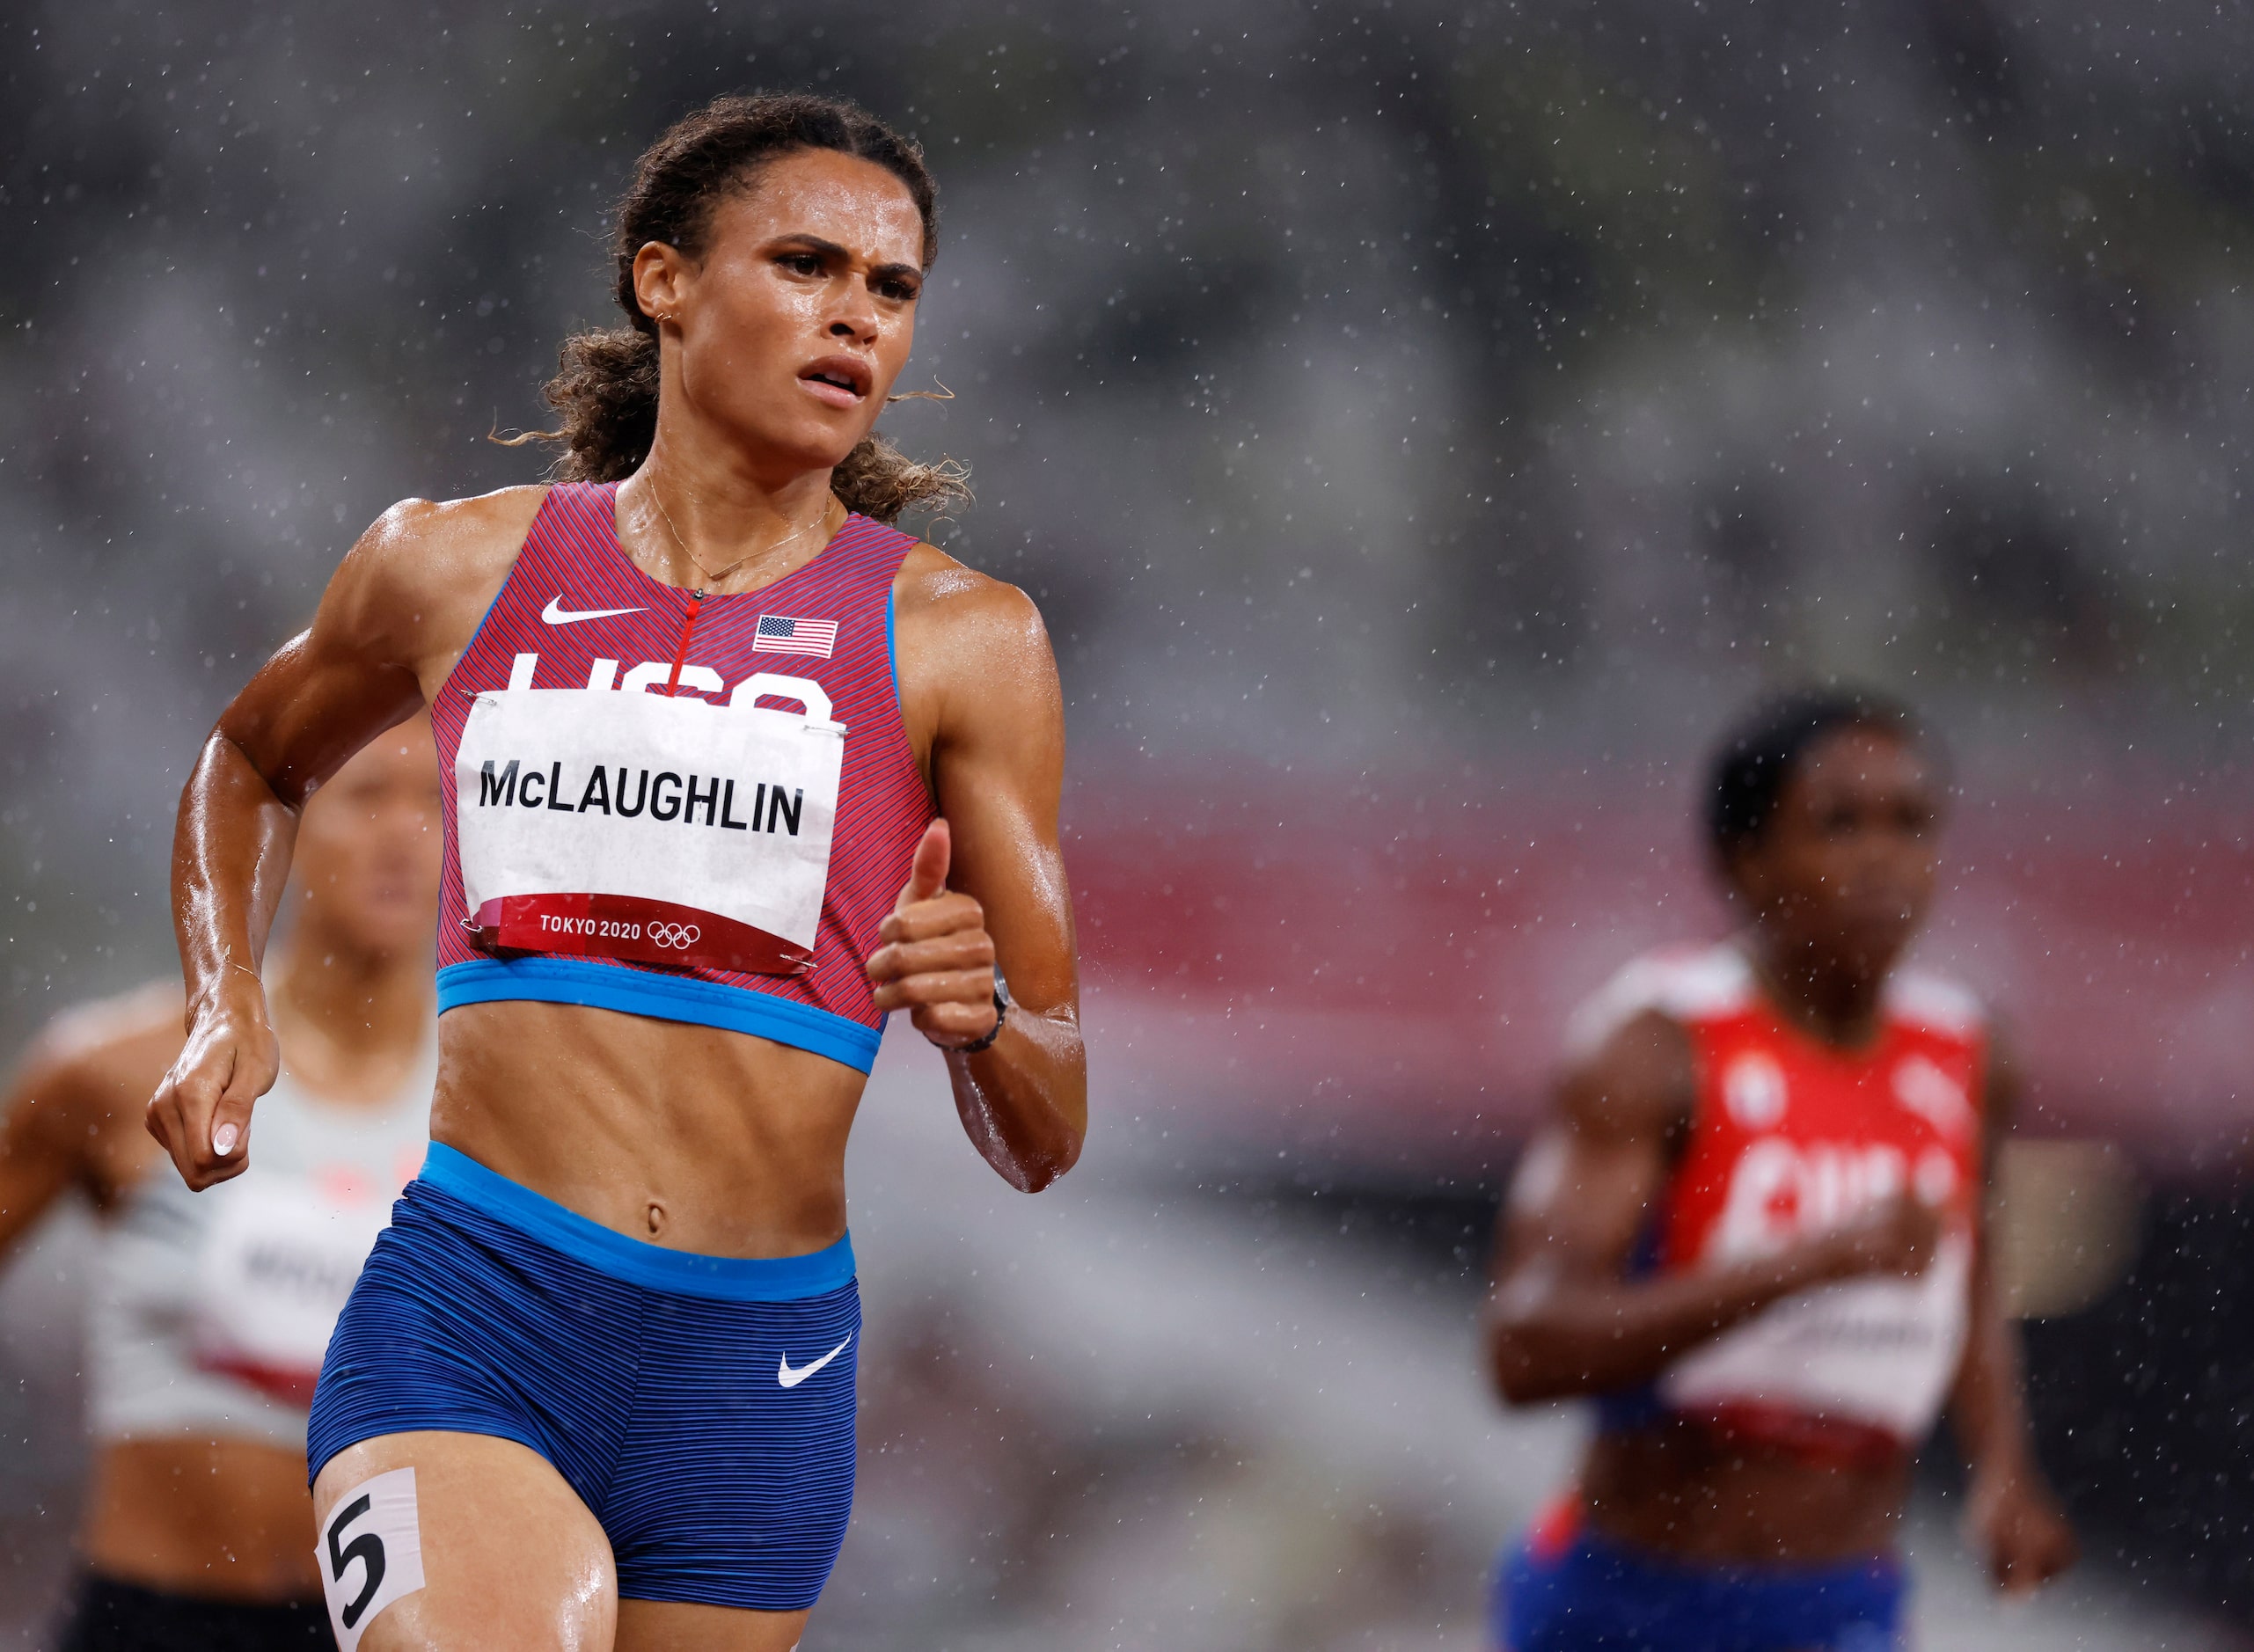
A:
[(1421, 423)]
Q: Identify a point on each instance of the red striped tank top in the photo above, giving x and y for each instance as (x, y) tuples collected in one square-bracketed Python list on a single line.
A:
[(576, 615)]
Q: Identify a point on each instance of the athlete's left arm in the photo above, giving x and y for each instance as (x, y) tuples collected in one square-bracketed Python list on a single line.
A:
[(2011, 1511), (979, 692)]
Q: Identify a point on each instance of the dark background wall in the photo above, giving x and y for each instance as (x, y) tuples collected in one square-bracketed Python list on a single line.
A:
[(1354, 384)]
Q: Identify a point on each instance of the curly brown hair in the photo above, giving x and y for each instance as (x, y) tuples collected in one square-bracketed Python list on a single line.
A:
[(605, 387)]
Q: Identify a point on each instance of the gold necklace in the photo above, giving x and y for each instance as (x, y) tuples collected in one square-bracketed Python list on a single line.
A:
[(788, 538)]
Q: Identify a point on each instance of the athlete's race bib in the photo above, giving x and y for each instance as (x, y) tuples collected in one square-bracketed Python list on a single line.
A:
[(643, 826), (278, 1263), (1877, 1352)]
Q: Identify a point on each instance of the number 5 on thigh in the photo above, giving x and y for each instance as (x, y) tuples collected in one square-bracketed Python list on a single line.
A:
[(445, 1540), (382, 1559)]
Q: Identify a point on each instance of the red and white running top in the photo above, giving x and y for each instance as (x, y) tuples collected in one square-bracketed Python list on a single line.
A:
[(695, 809), (1790, 1137)]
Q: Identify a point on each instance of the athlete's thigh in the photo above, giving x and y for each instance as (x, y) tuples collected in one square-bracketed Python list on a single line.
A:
[(512, 1560), (664, 1626)]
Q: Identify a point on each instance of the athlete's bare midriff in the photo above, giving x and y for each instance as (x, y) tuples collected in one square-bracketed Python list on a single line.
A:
[(225, 1519), (1679, 1488), (692, 1137)]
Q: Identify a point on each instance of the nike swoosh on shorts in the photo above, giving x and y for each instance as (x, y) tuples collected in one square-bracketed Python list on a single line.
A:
[(790, 1379), (556, 615)]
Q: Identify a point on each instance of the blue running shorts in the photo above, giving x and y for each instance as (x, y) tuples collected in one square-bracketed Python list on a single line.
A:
[(702, 1407), (1564, 1589)]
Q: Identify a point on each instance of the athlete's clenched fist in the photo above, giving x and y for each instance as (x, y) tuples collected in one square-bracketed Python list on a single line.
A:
[(202, 1112), (937, 962)]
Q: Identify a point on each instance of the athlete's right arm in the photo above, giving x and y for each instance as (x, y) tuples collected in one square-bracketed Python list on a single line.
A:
[(397, 614), (39, 1160), (1562, 1319), (70, 1109)]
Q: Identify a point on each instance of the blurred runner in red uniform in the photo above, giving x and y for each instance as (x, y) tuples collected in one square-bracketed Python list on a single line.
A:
[(1753, 1232)]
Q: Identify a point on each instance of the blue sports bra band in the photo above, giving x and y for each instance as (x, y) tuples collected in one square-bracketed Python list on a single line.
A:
[(664, 998)]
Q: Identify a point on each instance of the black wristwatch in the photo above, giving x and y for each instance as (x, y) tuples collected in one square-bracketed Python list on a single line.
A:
[(1002, 1012)]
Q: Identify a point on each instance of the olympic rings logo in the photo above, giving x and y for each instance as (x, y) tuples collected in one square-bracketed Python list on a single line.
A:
[(676, 935)]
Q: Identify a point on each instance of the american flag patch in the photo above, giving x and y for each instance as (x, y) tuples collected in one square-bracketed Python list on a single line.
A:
[(778, 633)]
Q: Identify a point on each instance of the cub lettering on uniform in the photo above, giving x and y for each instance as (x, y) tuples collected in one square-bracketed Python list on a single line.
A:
[(1789, 1139)]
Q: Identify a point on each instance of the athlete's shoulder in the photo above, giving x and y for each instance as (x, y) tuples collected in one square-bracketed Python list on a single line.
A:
[(934, 589), (1683, 984), (1936, 1003), (413, 585), (493, 524), (974, 660)]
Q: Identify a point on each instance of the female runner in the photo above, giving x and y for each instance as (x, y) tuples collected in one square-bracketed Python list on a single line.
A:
[(1754, 1233), (733, 770), (208, 1315)]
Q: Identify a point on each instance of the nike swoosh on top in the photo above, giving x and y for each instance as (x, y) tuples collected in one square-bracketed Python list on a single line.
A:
[(556, 615), (790, 1379)]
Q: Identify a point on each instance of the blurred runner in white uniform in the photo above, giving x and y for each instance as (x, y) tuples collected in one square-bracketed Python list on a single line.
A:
[(211, 1310)]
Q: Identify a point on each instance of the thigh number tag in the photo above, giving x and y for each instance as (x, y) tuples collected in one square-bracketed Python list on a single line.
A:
[(371, 1554)]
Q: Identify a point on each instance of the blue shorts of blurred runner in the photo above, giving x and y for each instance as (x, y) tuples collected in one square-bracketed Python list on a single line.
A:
[(1564, 1589)]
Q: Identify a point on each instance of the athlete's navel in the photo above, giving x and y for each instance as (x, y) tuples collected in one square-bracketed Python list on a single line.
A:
[(656, 1215)]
